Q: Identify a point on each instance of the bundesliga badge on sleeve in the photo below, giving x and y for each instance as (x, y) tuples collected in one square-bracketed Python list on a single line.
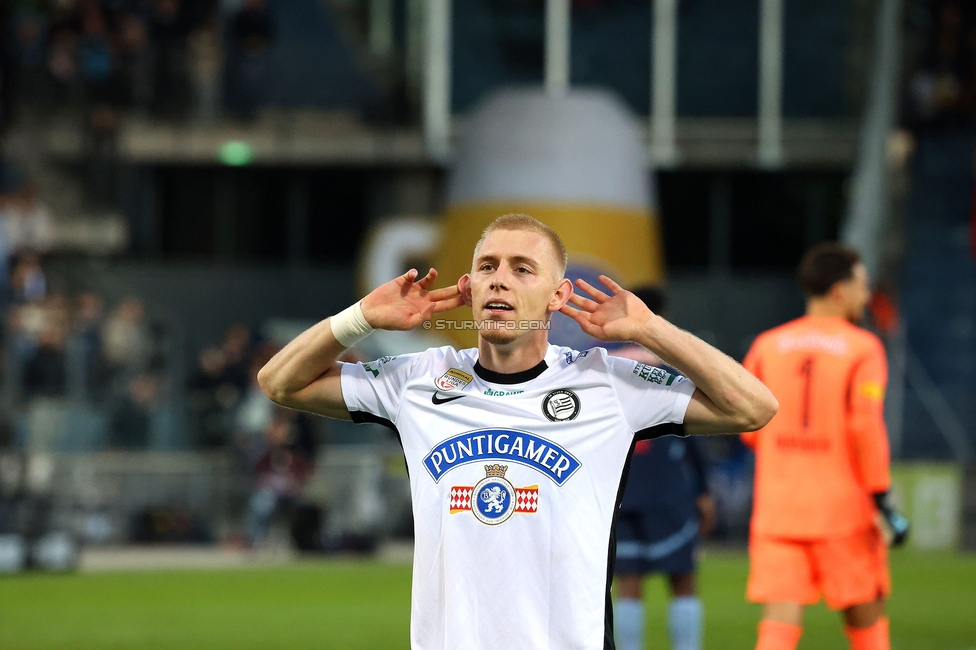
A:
[(453, 379), (494, 499)]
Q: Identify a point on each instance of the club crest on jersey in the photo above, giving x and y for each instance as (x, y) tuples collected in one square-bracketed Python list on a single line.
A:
[(561, 405), (501, 444), (493, 499), (453, 379)]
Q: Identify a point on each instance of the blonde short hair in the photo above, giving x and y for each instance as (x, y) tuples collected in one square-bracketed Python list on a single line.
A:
[(517, 221)]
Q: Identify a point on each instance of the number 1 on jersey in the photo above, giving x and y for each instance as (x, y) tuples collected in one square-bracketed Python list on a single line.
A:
[(806, 370)]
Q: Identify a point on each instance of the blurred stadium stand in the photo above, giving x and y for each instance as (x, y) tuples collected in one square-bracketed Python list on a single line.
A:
[(937, 275), (181, 167), (939, 290)]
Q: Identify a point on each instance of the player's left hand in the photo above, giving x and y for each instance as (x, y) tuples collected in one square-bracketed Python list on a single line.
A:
[(617, 317), (894, 525)]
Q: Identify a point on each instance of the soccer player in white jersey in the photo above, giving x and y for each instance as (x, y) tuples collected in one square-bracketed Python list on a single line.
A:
[(516, 449)]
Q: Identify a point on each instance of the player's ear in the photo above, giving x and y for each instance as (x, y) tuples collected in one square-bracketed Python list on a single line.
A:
[(464, 286), (838, 292), (562, 295)]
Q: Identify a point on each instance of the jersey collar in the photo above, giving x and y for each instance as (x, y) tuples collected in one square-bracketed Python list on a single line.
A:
[(510, 378)]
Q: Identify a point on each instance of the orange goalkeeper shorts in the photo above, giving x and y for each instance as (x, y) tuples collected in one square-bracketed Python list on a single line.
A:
[(846, 571)]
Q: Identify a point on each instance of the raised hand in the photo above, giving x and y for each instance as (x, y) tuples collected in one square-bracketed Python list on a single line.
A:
[(405, 302), (617, 317)]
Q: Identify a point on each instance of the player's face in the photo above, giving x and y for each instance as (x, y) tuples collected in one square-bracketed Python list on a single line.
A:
[(856, 294), (514, 277)]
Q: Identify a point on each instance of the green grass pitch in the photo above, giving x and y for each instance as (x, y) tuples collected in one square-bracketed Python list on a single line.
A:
[(364, 605)]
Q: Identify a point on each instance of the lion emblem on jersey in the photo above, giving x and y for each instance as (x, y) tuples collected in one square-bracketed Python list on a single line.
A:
[(494, 499)]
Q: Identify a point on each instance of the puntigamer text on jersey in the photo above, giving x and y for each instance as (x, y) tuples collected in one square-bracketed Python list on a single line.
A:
[(502, 444)]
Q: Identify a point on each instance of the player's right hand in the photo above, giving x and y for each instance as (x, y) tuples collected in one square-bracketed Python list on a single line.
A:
[(405, 302), (707, 515), (896, 524)]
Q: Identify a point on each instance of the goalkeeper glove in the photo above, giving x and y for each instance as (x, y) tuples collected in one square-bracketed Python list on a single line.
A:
[(896, 522)]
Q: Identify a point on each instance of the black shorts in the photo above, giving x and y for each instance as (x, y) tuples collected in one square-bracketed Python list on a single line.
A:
[(642, 551)]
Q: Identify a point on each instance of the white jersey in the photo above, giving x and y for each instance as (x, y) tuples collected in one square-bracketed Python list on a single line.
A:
[(515, 481)]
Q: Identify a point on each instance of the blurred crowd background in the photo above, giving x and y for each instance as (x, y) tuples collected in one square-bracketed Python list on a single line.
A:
[(941, 92), (185, 185)]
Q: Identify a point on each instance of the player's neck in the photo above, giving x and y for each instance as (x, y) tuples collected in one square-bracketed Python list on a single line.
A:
[(825, 308), (508, 358)]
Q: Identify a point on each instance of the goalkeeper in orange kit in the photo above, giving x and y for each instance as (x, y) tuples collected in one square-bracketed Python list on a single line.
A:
[(822, 463)]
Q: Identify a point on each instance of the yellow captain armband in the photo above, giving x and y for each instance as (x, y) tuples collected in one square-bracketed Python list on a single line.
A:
[(872, 390)]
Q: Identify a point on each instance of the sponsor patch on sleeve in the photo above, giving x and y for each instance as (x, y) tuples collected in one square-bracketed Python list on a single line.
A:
[(374, 367), (453, 379), (653, 374)]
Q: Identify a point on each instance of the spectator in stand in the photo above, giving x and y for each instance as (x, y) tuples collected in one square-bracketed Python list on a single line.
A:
[(30, 322), (250, 35), (222, 378), (213, 396), (126, 343), (27, 223), (39, 361), (132, 416), (255, 411), (281, 473), (28, 283), (44, 372)]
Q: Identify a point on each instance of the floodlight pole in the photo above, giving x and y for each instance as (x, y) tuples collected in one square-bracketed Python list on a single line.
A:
[(380, 27), (437, 78), (664, 62), (770, 152), (558, 32)]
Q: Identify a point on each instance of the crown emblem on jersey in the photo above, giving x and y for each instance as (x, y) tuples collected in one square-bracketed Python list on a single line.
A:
[(496, 470)]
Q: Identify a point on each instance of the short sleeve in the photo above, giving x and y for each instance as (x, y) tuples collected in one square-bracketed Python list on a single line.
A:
[(375, 387), (649, 395)]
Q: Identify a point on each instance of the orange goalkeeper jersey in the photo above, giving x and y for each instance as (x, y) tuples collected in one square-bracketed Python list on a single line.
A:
[(825, 452)]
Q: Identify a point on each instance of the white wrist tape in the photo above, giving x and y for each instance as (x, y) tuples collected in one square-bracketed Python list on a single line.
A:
[(349, 326)]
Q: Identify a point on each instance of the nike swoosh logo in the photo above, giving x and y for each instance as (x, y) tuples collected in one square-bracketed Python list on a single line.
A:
[(443, 400)]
